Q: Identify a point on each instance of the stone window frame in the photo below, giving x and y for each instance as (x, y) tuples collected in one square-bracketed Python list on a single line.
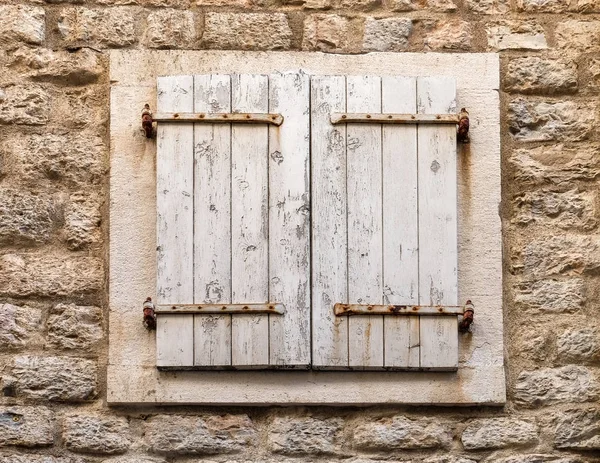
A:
[(132, 376)]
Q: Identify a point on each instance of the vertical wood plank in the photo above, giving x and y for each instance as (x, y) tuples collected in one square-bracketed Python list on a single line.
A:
[(289, 219), (212, 221), (329, 224), (365, 250), (400, 223), (438, 283), (174, 203), (249, 221)]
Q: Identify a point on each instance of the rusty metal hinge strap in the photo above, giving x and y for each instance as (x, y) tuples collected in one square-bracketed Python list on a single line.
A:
[(391, 309), (389, 118), (268, 308)]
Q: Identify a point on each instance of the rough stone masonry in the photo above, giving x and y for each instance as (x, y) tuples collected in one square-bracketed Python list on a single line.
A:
[(53, 241)]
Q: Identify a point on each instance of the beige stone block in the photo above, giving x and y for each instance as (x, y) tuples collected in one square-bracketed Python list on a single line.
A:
[(551, 295), (96, 434), (578, 429), (400, 432), (74, 327), (494, 433), (189, 435), (580, 36), (26, 426), (451, 35), (543, 6), (171, 29), (401, 5), (549, 386), (516, 35), (21, 24), (82, 220), (564, 120), (489, 6), (46, 274), (533, 75), (257, 31), (567, 210), (305, 436), (19, 326), (110, 27), (389, 34), (325, 32), (24, 104), (579, 345)]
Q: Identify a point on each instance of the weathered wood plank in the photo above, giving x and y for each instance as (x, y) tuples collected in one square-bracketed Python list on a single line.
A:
[(329, 224), (437, 223), (400, 223), (221, 308), (174, 340), (249, 222), (212, 221), (210, 116), (389, 116), (365, 246), (289, 219), (174, 203)]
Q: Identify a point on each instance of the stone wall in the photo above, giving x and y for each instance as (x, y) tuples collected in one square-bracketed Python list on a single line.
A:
[(53, 191)]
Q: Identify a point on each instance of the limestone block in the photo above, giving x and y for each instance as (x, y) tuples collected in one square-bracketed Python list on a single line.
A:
[(401, 5), (47, 274), (26, 426), (445, 6), (21, 24), (317, 4), (19, 326), (400, 432), (556, 164), (551, 296), (446, 458), (494, 433), (585, 6), (581, 36), (82, 220), (182, 435), (533, 75), (171, 29), (53, 378), (136, 459), (550, 386), (535, 458), (543, 6), (305, 436), (561, 255), (551, 120), (96, 434), (111, 27), (389, 34), (578, 430), (79, 67), (516, 35), (247, 31), (72, 159), (325, 32), (29, 458), (579, 345), (74, 327), (360, 5), (24, 104), (567, 210), (489, 6), (449, 35), (28, 217)]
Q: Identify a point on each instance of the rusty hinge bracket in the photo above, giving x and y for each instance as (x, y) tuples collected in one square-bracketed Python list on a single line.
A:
[(266, 308), (461, 119), (394, 309), (148, 118)]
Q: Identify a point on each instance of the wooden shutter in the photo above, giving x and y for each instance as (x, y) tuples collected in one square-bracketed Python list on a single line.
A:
[(384, 223), (233, 222)]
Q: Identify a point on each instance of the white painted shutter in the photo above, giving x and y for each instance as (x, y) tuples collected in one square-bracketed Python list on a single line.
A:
[(384, 223), (233, 222)]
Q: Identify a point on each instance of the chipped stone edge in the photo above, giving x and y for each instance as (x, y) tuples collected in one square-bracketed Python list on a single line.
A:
[(132, 376)]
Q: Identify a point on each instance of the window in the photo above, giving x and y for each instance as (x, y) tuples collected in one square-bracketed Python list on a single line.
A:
[(304, 216)]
